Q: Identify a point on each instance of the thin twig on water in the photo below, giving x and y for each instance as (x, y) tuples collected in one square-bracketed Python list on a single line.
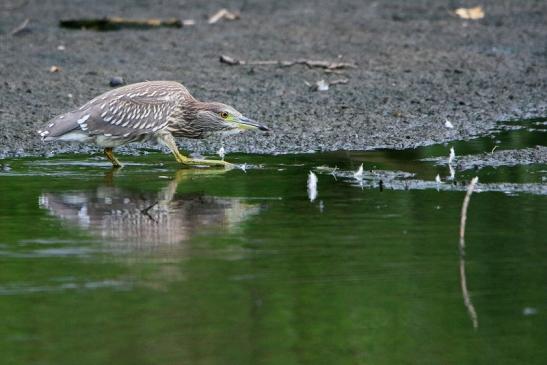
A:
[(463, 218), (463, 281)]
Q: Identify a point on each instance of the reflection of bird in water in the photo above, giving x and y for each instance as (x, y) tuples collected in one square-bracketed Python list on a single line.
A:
[(139, 219)]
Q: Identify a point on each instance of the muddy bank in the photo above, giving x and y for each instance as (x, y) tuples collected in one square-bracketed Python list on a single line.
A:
[(417, 65), (526, 156)]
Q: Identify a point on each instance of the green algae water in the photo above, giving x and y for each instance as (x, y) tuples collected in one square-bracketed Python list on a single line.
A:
[(150, 264)]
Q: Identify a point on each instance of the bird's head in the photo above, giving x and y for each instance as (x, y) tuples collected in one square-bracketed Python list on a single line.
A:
[(218, 117)]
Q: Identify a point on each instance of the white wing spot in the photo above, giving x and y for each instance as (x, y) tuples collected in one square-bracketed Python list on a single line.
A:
[(83, 119), (108, 134), (83, 126), (50, 125), (103, 114), (108, 119)]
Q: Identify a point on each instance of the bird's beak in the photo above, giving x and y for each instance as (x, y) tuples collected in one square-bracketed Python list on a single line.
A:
[(248, 123)]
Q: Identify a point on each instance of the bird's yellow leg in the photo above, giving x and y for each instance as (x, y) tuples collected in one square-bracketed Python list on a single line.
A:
[(169, 141), (110, 155)]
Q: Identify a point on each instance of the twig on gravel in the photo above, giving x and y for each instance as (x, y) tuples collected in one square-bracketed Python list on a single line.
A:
[(327, 65), (463, 279), (223, 14), (21, 27), (117, 23)]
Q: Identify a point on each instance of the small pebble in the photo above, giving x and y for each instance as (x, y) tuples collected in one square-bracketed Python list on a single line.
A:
[(116, 81)]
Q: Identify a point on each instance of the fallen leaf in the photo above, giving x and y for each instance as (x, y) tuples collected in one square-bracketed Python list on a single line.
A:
[(223, 14), (470, 13)]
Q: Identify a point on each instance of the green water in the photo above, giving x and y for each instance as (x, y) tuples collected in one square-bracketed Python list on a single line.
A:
[(154, 265)]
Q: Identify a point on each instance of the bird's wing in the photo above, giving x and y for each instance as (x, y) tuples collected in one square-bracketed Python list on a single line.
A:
[(131, 110)]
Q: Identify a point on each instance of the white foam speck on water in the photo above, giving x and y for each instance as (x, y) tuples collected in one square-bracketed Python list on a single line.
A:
[(359, 173), (452, 155), (221, 152), (312, 186)]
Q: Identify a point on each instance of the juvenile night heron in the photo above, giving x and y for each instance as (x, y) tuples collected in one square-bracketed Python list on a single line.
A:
[(147, 111)]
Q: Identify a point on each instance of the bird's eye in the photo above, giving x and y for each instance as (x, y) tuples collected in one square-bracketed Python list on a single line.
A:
[(224, 115)]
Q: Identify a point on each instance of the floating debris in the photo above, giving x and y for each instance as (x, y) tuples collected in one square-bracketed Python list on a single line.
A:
[(452, 172), (529, 311), (221, 153), (448, 124), (117, 23), (438, 179), (312, 186), (470, 13), (333, 172), (61, 47), (359, 173), (452, 155), (54, 69), (188, 22), (243, 167), (223, 14)]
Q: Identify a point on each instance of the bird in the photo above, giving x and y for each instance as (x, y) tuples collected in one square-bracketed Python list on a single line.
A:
[(150, 111)]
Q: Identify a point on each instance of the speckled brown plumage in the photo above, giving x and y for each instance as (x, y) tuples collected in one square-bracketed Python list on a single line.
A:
[(152, 110)]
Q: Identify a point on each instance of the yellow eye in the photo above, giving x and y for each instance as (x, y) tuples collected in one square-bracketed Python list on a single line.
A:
[(224, 115)]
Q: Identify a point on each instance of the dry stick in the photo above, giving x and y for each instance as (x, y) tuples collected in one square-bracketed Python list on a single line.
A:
[(463, 280), (327, 65)]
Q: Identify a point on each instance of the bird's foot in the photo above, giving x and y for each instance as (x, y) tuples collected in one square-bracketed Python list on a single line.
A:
[(110, 155), (203, 162)]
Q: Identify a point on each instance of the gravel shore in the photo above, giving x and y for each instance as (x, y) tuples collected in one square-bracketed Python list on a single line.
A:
[(418, 64)]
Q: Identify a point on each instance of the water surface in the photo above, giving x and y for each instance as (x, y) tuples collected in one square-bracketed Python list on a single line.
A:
[(155, 265)]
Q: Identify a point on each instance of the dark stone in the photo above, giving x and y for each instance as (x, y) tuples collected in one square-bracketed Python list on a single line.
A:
[(116, 81)]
